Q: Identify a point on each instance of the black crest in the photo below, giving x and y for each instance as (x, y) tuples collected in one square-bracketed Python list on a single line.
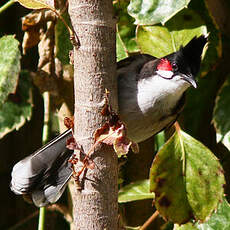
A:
[(192, 52)]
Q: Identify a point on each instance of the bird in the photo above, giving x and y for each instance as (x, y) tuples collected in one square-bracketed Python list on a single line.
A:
[(151, 95)]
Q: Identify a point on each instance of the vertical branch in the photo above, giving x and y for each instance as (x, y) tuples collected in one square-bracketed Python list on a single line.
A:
[(45, 138), (95, 205)]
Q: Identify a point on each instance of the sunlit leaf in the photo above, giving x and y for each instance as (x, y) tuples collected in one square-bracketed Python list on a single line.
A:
[(9, 66), (138, 190), (188, 226), (163, 40), (132, 228), (36, 4), (187, 179), (18, 108), (121, 49), (159, 140), (218, 220), (150, 12)]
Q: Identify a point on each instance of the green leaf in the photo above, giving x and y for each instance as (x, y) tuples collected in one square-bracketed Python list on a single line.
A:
[(36, 4), (159, 41), (62, 41), (168, 226), (187, 179), (150, 12), (18, 108), (188, 226), (126, 31), (222, 112), (159, 140), (120, 48), (138, 190), (218, 220), (9, 66)]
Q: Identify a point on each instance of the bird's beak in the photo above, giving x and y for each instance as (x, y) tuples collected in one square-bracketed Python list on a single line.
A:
[(190, 79)]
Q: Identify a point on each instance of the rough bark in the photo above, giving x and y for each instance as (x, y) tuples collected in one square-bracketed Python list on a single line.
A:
[(95, 205)]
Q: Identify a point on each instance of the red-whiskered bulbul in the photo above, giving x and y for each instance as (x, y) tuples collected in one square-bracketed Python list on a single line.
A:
[(151, 95)]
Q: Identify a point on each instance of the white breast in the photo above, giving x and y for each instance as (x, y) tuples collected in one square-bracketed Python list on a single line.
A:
[(146, 107), (160, 95)]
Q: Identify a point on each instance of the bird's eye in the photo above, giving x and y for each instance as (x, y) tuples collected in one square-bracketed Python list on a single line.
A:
[(174, 66)]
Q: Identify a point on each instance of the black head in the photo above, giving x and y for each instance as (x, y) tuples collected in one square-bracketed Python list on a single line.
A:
[(186, 61), (188, 58)]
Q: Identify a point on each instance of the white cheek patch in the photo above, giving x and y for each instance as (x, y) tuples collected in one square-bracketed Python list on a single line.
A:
[(165, 73)]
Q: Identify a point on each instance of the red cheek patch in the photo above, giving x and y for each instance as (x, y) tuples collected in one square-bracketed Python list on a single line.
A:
[(164, 65)]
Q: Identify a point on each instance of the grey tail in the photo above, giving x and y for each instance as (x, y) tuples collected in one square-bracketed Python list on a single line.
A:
[(44, 174)]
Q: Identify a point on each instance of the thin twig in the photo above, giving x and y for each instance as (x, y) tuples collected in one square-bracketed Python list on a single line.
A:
[(150, 220), (63, 210), (7, 5), (20, 223), (55, 207), (73, 35)]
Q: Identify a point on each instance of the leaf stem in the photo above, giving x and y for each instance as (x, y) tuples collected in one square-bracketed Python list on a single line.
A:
[(7, 5), (45, 132), (45, 137), (177, 126), (73, 36), (41, 222), (150, 220)]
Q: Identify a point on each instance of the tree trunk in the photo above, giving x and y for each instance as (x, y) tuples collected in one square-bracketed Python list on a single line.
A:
[(95, 205)]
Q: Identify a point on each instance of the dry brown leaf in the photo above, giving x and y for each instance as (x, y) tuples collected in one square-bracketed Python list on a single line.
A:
[(121, 145), (135, 147), (69, 122), (71, 143), (114, 135), (89, 163), (31, 24), (44, 82), (34, 25)]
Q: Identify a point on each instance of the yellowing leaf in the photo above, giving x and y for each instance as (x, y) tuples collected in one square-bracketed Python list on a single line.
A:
[(187, 180), (36, 4)]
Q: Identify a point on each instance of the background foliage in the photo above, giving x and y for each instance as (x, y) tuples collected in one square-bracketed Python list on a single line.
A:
[(188, 167)]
